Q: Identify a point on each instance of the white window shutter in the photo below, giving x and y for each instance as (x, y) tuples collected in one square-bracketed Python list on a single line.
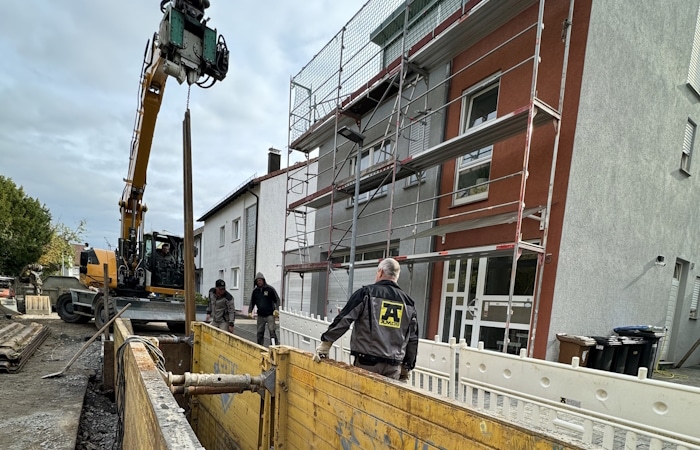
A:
[(694, 69)]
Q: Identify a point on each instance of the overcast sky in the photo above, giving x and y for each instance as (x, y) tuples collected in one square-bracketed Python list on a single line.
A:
[(68, 96)]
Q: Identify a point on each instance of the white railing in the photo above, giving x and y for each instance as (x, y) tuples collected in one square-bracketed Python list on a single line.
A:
[(435, 365), (590, 407)]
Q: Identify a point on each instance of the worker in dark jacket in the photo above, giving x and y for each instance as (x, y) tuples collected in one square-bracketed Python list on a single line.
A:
[(265, 298), (384, 338), (221, 309)]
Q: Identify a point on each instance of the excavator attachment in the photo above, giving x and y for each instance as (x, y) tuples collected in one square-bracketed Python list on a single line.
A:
[(191, 50)]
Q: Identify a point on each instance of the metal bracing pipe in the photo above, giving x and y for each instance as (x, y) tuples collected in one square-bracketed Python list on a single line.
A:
[(212, 379), (216, 383), (210, 390), (550, 193), (353, 235), (329, 252), (523, 178), (399, 114)]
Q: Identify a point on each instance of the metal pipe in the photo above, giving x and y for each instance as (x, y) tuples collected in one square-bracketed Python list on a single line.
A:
[(213, 379), (353, 236), (209, 390), (523, 179), (550, 192)]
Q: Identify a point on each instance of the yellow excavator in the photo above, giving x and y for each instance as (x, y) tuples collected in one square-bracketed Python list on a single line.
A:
[(147, 269)]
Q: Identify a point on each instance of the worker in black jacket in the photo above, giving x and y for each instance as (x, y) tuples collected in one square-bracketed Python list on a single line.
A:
[(265, 298), (385, 333)]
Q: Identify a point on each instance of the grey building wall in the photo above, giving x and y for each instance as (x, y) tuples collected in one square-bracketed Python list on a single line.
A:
[(627, 200), (374, 221)]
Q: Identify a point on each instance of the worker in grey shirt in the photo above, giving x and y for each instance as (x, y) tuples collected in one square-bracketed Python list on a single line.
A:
[(221, 309)]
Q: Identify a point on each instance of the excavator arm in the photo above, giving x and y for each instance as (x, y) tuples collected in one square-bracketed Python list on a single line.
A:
[(188, 50)]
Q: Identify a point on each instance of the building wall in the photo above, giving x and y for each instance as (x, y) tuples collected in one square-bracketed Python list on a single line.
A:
[(262, 214), (627, 201), (374, 220), (508, 155), (220, 259)]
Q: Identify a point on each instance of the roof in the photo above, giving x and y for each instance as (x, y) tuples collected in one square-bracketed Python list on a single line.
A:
[(247, 186)]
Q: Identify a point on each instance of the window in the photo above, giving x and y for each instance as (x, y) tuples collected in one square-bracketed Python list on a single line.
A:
[(688, 142), (222, 235), (234, 277), (474, 168), (415, 179), (371, 156), (236, 230), (366, 255)]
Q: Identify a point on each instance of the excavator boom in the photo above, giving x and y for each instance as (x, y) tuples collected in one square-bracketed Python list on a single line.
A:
[(188, 50)]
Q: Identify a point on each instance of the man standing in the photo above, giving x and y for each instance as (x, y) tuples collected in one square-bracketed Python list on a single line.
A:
[(266, 299), (385, 335), (221, 309)]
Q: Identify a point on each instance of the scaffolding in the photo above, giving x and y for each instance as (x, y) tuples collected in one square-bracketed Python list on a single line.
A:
[(374, 77)]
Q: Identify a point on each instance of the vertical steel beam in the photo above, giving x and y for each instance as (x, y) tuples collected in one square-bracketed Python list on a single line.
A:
[(189, 222)]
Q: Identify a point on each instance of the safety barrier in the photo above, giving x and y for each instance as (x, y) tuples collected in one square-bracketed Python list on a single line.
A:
[(589, 406)]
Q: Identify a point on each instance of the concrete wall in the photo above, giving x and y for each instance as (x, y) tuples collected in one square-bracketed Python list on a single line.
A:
[(627, 200)]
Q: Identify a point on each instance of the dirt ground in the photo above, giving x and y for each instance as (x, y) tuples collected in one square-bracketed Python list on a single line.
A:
[(41, 413)]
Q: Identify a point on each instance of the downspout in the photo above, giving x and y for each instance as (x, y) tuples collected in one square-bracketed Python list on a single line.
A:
[(251, 185)]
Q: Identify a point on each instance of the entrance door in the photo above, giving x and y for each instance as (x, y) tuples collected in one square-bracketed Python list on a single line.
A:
[(475, 301), (671, 308), (459, 315)]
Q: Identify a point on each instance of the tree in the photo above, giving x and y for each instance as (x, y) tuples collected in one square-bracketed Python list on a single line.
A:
[(59, 250), (25, 228)]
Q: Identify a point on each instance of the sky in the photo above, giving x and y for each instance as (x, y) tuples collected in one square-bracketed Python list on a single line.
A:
[(69, 86)]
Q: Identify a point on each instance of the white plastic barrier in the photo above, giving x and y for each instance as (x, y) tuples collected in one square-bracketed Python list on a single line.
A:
[(611, 403), (585, 406), (435, 365)]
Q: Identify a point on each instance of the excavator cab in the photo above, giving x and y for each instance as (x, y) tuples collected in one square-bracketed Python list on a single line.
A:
[(164, 263)]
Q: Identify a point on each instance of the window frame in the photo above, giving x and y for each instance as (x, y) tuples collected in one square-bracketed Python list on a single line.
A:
[(371, 151), (235, 277), (468, 98), (236, 229), (222, 235)]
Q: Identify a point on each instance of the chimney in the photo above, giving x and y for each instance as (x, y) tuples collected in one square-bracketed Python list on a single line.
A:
[(273, 160)]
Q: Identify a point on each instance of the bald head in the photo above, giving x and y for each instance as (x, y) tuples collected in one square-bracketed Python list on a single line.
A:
[(388, 269)]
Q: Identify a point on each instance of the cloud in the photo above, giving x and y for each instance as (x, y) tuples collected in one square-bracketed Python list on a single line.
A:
[(69, 90)]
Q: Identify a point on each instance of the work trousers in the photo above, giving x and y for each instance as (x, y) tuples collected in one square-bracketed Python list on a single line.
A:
[(221, 325), (381, 368), (269, 323)]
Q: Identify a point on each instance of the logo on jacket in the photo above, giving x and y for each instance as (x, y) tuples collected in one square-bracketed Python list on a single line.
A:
[(390, 314)]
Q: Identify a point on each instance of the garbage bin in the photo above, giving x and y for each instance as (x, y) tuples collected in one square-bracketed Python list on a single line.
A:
[(648, 338), (604, 352), (619, 363), (570, 346)]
